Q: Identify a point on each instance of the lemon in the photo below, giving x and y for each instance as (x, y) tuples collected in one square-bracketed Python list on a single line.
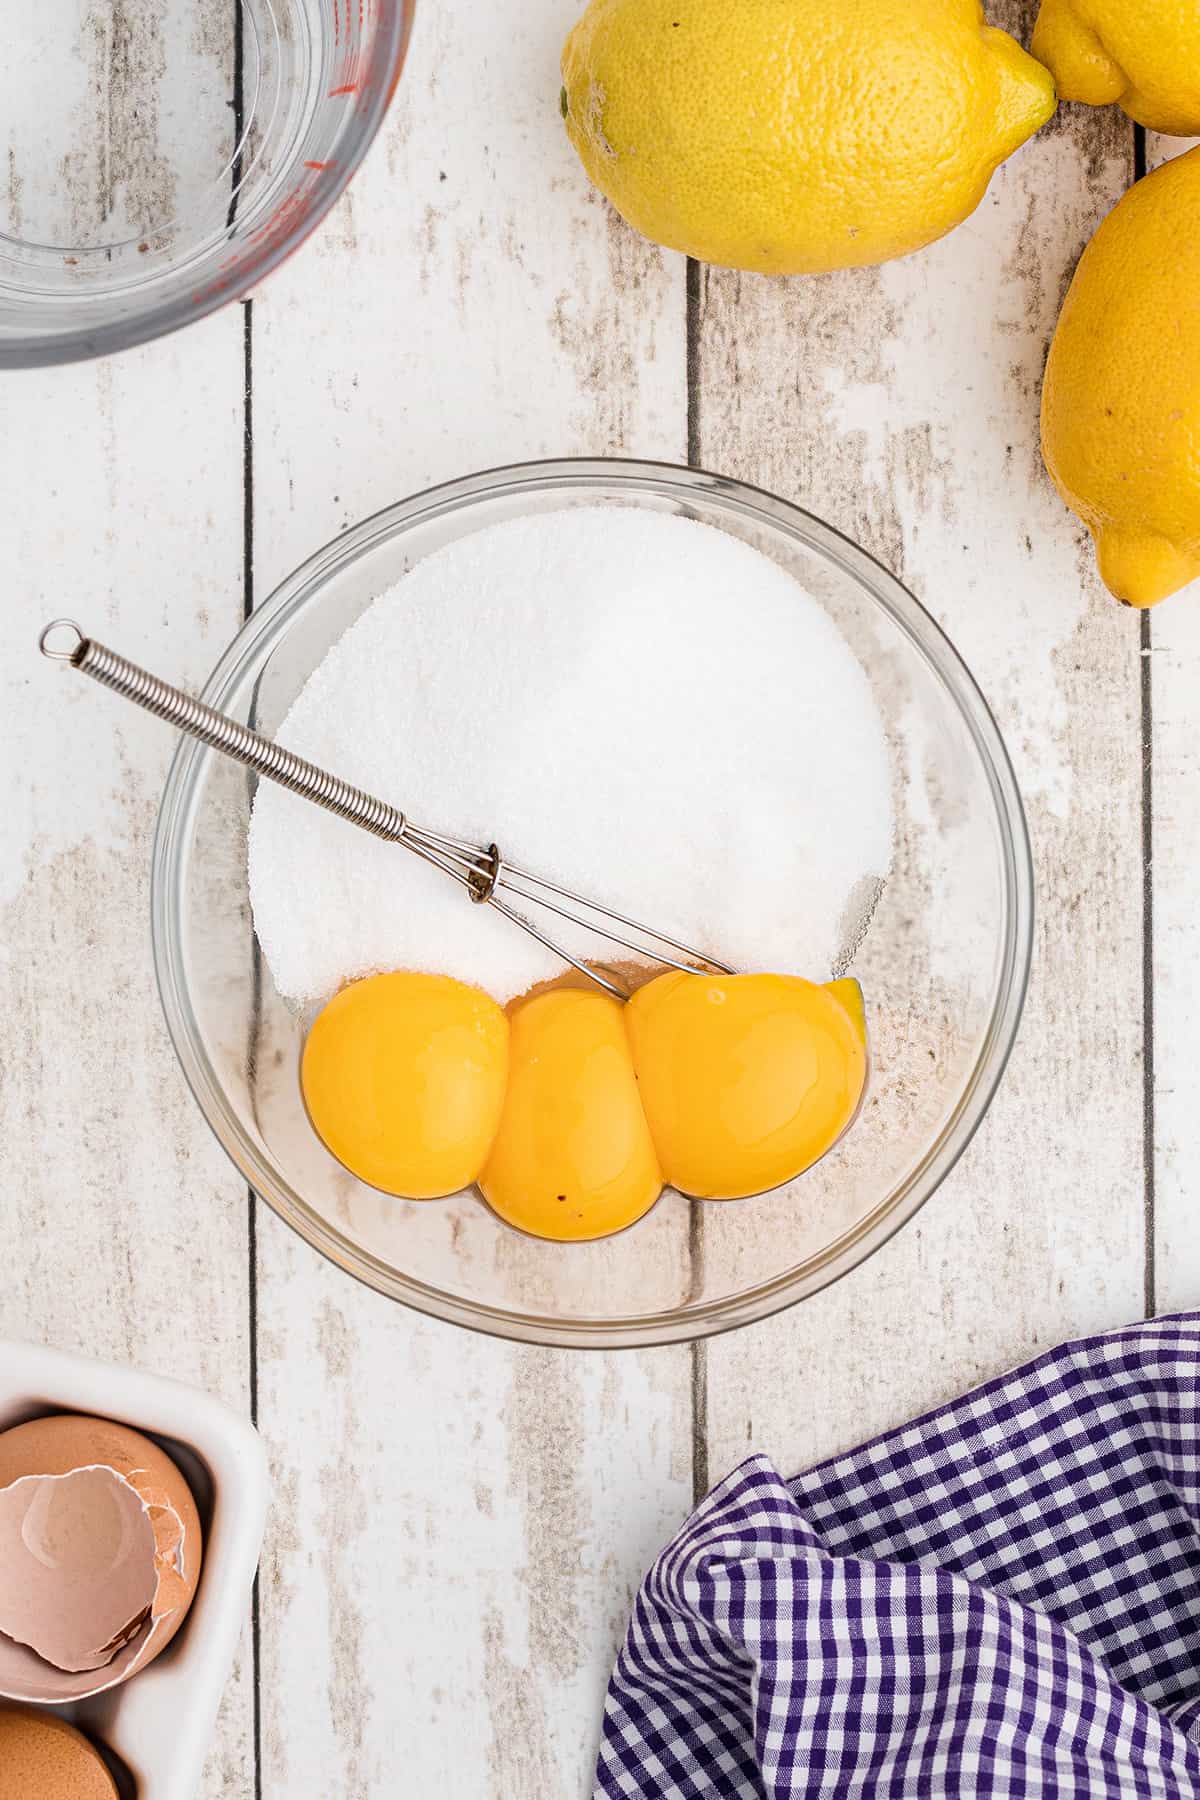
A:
[(1121, 400), (792, 136), (1144, 54)]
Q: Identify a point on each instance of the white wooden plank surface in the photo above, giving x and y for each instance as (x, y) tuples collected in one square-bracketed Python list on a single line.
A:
[(122, 1222), (1171, 639), (464, 1521), (459, 1524), (903, 405)]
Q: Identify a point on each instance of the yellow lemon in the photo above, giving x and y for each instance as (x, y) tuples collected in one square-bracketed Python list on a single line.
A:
[(793, 136), (1144, 54), (1121, 400)]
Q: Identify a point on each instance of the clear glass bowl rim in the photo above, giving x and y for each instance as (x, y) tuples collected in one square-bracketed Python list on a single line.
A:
[(159, 318), (573, 478)]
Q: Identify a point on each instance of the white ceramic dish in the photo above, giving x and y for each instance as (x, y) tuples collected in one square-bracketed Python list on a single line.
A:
[(159, 1724)]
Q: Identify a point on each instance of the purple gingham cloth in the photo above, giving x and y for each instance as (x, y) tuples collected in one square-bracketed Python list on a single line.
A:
[(1000, 1599)]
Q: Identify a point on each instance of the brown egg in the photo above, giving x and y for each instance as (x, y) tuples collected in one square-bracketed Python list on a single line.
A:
[(100, 1550), (44, 1758)]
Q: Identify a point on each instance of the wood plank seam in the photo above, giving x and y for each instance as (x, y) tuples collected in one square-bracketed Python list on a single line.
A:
[(239, 125), (1146, 681), (1170, 648), (693, 301), (256, 1011)]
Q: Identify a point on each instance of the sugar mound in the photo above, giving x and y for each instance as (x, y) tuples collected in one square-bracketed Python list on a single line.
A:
[(636, 705)]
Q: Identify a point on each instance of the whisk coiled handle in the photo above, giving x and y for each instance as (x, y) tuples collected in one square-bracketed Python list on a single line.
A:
[(483, 872), (222, 733)]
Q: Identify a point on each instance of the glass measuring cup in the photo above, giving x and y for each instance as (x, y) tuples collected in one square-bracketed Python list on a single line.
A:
[(158, 157)]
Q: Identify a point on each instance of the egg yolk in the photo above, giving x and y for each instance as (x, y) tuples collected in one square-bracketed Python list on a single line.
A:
[(849, 996), (745, 1079), (573, 1158), (403, 1076)]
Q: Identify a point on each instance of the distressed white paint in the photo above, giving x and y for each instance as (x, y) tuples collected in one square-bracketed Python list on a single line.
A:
[(1174, 654), (464, 1520), (122, 1223), (903, 404), (458, 1524), (116, 119)]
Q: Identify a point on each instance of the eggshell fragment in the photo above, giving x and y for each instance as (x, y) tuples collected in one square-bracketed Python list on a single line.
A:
[(44, 1758), (77, 1574), (100, 1549)]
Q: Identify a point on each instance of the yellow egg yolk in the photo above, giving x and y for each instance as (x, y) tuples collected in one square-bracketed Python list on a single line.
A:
[(849, 996), (403, 1076), (573, 1158), (745, 1079)]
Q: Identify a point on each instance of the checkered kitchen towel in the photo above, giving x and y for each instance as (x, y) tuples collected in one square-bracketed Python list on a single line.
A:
[(1000, 1599)]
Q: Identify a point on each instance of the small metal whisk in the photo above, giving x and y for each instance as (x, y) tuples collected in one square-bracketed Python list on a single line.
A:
[(483, 872)]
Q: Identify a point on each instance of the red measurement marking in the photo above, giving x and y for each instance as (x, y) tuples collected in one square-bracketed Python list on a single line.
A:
[(348, 87), (201, 295), (289, 215), (350, 75)]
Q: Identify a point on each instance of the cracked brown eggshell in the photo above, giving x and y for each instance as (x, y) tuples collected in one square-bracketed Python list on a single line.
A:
[(100, 1551)]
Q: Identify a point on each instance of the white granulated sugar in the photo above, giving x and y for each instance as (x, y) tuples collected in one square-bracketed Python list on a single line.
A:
[(638, 706)]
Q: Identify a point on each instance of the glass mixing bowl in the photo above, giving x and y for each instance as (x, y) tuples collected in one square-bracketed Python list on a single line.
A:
[(162, 156), (943, 965)]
